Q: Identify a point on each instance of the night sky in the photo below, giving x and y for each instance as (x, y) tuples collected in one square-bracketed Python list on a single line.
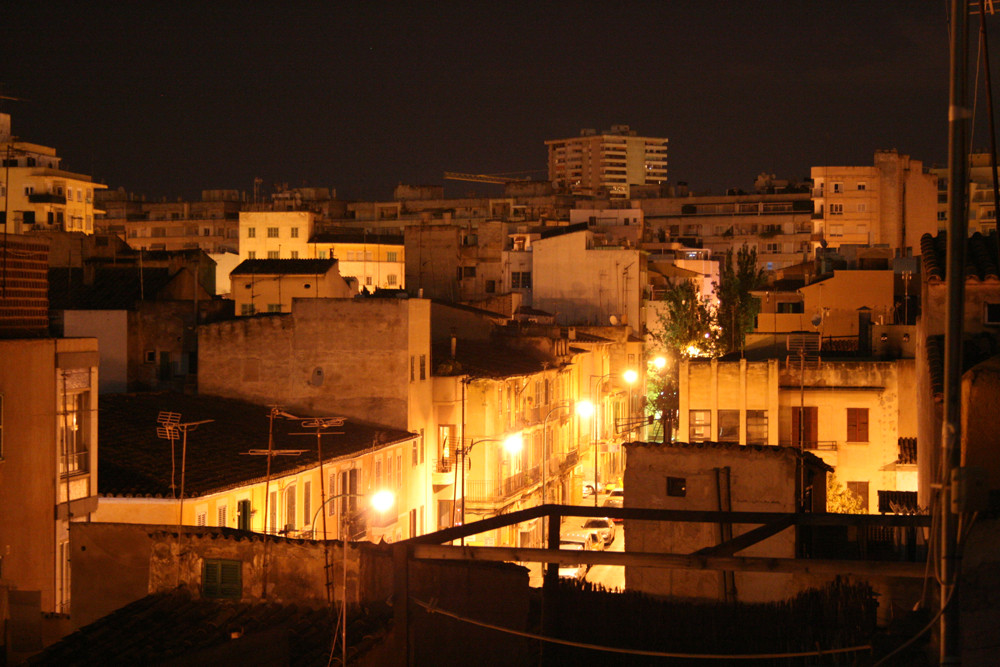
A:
[(167, 99)]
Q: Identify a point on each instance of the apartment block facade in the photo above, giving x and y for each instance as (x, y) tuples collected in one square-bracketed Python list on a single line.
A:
[(609, 163)]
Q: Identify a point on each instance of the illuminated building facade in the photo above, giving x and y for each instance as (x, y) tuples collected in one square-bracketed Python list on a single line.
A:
[(609, 163)]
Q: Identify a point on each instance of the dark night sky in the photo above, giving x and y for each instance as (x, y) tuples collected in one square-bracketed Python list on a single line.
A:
[(167, 99)]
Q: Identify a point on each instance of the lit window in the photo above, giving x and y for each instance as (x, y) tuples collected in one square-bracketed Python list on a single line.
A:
[(295, 254), (274, 307), (390, 256), (836, 209)]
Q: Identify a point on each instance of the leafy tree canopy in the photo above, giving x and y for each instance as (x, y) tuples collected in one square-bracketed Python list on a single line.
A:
[(738, 308)]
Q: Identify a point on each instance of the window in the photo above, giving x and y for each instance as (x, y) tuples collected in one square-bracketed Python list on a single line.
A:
[(251, 254), (791, 307), (836, 209), (222, 515), (857, 424), (491, 286), (391, 279), (29, 190), (272, 511), (201, 518), (862, 186), (222, 579), (295, 254), (290, 509), (520, 280), (756, 427), (378, 474), (942, 216), (74, 422), (466, 272), (273, 254), (150, 356), (369, 256), (860, 489), (676, 487), (862, 207), (274, 307), (295, 232), (700, 425), (243, 514), (388, 470), (251, 232), (390, 256), (836, 230), (421, 445), (272, 232), (246, 309), (729, 426), (423, 366), (838, 187), (399, 470), (991, 313), (306, 502), (804, 426), (415, 454), (413, 365)]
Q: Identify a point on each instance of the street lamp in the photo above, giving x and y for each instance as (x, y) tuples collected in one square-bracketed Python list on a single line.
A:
[(581, 408), (380, 502), (512, 444)]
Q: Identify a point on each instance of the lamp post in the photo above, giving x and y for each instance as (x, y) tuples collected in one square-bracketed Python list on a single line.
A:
[(512, 444), (380, 501)]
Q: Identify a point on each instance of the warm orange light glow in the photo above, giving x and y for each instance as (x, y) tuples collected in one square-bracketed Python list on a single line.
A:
[(383, 500)]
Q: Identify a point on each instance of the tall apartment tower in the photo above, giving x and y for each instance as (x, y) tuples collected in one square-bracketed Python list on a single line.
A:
[(611, 163)]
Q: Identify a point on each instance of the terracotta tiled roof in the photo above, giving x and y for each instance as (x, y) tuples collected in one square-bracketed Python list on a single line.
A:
[(134, 461), (975, 349), (485, 359), (980, 257), (175, 628), (907, 451), (288, 267)]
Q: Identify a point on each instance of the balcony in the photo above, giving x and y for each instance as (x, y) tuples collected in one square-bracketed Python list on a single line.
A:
[(492, 491), (46, 198), (443, 471)]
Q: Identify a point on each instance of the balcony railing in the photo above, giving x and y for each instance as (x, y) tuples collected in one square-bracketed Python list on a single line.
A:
[(813, 445), (490, 490), (46, 198)]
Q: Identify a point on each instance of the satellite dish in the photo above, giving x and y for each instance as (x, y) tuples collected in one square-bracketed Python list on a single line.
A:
[(614, 320), (817, 319)]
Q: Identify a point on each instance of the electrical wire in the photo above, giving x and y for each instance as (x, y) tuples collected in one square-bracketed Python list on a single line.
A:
[(434, 609)]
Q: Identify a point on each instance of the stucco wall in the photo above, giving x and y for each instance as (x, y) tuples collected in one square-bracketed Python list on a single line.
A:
[(760, 480), (110, 327)]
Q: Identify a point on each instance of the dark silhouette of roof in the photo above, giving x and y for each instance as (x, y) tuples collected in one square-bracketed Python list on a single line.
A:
[(293, 267), (134, 461), (357, 237), (113, 288), (980, 257), (176, 628)]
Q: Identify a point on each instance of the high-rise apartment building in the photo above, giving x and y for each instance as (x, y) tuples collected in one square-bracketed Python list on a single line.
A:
[(610, 163)]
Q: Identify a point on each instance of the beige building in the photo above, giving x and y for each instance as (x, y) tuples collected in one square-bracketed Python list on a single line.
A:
[(718, 477), (981, 204), (48, 460), (584, 283), (270, 285), (36, 194), (858, 415), (211, 224), (609, 163), (892, 203)]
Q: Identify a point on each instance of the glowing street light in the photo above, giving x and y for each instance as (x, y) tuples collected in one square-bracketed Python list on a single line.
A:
[(380, 502)]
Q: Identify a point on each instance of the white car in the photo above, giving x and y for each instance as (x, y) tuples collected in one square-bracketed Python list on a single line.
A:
[(604, 527), (578, 540)]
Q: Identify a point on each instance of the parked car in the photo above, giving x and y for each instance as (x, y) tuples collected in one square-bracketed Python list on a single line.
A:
[(616, 502), (617, 491), (604, 527), (589, 485), (578, 540)]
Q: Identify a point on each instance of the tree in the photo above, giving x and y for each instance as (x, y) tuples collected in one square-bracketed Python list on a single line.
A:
[(738, 308), (687, 329), (840, 499)]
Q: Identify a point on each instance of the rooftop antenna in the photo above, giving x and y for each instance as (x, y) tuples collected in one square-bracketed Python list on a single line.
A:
[(169, 427)]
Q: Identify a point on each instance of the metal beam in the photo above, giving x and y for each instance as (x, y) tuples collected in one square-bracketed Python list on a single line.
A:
[(740, 542), (673, 561)]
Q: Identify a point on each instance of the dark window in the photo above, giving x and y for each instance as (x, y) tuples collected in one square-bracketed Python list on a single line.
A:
[(520, 280), (791, 307), (857, 424), (491, 286), (468, 272), (423, 366), (243, 514), (729, 425), (992, 313), (222, 579), (677, 487), (897, 502), (804, 422)]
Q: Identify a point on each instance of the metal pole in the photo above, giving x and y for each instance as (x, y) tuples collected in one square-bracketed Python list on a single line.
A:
[(951, 453)]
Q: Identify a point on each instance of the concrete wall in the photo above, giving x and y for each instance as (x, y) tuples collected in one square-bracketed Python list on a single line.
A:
[(761, 481), (330, 356)]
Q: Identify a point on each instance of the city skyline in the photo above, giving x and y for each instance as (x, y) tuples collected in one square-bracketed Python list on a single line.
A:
[(168, 103)]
